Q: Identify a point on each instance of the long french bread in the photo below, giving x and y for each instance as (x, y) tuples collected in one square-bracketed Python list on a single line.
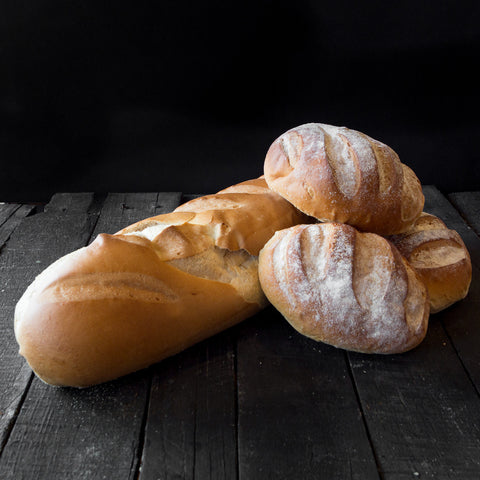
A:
[(131, 299)]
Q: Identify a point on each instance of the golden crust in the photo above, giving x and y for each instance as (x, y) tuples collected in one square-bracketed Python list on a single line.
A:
[(243, 216), (348, 289), (113, 308), (341, 175), (440, 257), (153, 289)]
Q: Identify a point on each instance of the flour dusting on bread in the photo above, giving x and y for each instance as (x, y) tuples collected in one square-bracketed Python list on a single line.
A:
[(343, 287)]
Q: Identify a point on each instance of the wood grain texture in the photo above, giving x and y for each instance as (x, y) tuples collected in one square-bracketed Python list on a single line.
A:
[(11, 215), (468, 204), (77, 434), (7, 210), (10, 223), (122, 209), (421, 410), (191, 428), (298, 415)]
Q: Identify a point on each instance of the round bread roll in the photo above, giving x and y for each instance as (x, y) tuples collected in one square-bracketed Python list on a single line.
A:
[(440, 257), (341, 175), (349, 289)]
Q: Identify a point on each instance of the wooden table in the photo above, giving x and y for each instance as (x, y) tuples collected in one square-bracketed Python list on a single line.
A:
[(258, 401)]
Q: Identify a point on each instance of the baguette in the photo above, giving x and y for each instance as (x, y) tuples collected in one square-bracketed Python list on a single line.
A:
[(341, 175), (349, 289), (153, 289)]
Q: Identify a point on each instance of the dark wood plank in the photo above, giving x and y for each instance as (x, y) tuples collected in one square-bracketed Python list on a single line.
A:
[(70, 434), (11, 215), (468, 204), (34, 244), (298, 415), (7, 210), (191, 429), (422, 409), (461, 320), (167, 202), (96, 431), (122, 209)]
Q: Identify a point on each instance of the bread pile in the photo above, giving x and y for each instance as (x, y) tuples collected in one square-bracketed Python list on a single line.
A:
[(332, 235), (368, 274), (151, 290)]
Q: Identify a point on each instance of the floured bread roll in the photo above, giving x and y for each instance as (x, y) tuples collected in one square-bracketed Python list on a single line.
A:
[(440, 257), (341, 175), (348, 289)]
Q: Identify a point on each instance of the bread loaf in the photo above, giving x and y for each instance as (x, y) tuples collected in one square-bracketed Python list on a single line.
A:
[(440, 257), (348, 289), (153, 289), (341, 175)]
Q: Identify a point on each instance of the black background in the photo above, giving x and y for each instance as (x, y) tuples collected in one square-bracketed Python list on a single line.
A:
[(188, 96)]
